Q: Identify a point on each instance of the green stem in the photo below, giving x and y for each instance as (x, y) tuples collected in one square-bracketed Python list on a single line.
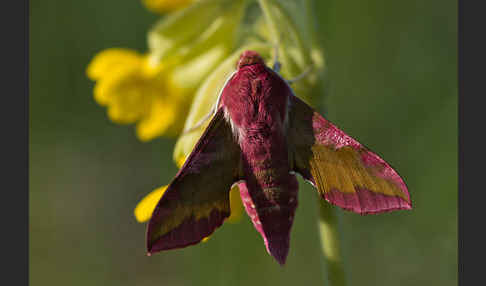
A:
[(330, 244)]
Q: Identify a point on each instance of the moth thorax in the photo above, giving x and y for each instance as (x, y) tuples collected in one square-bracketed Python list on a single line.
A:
[(249, 58)]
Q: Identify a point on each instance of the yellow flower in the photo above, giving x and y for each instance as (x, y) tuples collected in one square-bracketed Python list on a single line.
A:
[(164, 6), (136, 91), (139, 89)]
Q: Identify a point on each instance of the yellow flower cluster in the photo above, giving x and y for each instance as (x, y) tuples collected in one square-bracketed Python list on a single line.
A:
[(154, 90), (136, 91), (170, 88)]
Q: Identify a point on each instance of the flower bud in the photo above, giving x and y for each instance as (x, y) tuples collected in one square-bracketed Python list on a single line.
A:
[(207, 22)]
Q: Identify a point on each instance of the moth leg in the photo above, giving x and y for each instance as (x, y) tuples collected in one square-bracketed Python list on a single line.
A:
[(199, 123), (213, 109), (300, 76), (276, 64)]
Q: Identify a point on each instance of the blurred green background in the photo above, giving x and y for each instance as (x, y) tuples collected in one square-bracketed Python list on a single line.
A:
[(391, 83)]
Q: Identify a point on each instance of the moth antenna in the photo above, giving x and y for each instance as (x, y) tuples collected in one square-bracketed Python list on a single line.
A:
[(300, 76), (276, 64), (215, 107)]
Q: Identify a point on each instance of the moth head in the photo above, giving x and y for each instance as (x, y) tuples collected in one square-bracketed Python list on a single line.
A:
[(248, 58)]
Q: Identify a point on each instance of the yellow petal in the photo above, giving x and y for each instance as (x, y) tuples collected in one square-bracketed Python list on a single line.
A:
[(108, 88), (144, 209), (236, 205), (181, 161), (162, 115), (163, 6), (206, 239), (111, 59), (129, 100), (116, 79)]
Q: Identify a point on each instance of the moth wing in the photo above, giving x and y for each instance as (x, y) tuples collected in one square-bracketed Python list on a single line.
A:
[(196, 202), (345, 172)]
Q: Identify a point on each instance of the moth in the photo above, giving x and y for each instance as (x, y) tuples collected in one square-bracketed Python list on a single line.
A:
[(260, 137)]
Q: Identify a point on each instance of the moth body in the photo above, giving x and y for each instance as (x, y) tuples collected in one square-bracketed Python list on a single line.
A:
[(255, 102)]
